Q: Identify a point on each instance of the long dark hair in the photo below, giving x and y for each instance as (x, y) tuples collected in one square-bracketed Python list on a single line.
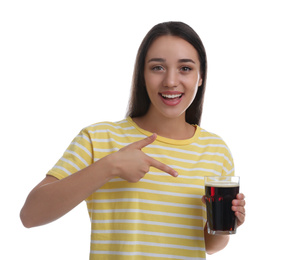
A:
[(139, 100)]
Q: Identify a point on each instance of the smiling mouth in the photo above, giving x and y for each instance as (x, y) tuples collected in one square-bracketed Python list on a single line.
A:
[(171, 96)]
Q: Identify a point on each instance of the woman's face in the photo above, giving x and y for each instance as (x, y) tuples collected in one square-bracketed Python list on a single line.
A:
[(172, 76)]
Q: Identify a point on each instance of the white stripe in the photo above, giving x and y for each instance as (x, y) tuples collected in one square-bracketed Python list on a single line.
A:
[(151, 212), (228, 172), (190, 177), (108, 124), (114, 126), (173, 149), (179, 176), (106, 150), (63, 169), (128, 128), (78, 156), (83, 137), (212, 162), (227, 159), (109, 140), (148, 202), (71, 163), (195, 169), (209, 145), (123, 121), (146, 244), (151, 191), (148, 233), (145, 254), (114, 133), (209, 138), (173, 184), (183, 160), (83, 148)]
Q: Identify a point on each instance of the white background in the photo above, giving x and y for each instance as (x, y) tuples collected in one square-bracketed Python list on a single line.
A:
[(67, 64)]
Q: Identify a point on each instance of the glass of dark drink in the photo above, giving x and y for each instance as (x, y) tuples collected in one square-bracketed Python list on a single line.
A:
[(219, 192)]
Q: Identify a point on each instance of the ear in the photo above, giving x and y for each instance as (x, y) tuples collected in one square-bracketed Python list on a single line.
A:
[(200, 82)]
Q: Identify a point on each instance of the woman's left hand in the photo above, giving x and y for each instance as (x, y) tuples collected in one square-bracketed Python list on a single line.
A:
[(238, 206)]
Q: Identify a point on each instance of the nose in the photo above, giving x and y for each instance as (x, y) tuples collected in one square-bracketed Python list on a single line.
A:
[(171, 79)]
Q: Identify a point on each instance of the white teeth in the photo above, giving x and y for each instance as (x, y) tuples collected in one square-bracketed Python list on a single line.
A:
[(171, 96)]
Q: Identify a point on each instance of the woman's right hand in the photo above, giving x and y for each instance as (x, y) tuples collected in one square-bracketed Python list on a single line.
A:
[(131, 164)]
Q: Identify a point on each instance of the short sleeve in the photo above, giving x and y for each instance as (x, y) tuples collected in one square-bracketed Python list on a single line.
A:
[(228, 163), (77, 156)]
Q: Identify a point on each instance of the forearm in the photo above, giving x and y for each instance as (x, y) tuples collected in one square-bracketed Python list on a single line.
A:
[(50, 201), (214, 243)]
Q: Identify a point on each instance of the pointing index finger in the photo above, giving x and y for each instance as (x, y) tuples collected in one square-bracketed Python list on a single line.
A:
[(163, 167)]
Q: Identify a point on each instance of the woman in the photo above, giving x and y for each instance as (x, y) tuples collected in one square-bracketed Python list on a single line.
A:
[(143, 190)]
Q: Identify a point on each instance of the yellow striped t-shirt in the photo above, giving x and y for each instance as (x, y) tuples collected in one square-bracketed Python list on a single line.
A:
[(159, 217)]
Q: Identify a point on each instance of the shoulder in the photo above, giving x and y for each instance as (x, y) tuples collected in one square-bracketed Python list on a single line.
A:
[(107, 125), (106, 129), (212, 140), (216, 144), (206, 135)]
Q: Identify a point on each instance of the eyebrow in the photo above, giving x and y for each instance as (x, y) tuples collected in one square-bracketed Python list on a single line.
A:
[(187, 60), (163, 60), (157, 60)]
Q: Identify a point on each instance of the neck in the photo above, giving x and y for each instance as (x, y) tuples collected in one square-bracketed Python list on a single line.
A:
[(173, 128)]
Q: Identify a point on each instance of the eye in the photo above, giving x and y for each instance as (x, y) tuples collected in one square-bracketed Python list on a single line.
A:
[(185, 69), (157, 68)]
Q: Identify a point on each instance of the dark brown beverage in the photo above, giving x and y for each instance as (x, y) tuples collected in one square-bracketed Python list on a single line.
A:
[(220, 216)]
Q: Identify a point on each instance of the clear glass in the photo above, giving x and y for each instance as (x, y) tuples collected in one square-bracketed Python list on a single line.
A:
[(219, 193)]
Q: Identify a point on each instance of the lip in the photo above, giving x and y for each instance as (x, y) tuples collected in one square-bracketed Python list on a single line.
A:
[(171, 101), (171, 92)]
